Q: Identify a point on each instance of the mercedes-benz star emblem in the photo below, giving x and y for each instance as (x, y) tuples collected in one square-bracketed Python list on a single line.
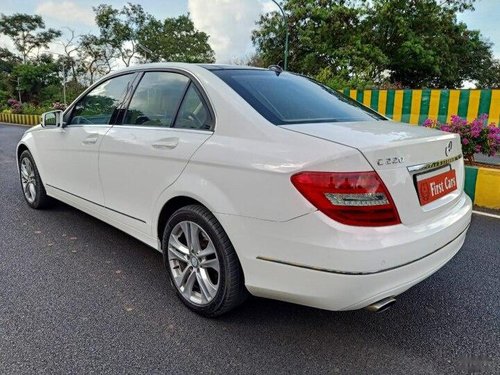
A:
[(448, 148)]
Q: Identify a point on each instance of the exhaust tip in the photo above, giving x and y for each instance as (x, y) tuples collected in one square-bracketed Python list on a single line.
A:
[(381, 305)]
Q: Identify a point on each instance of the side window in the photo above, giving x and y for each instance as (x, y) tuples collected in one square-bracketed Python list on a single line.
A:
[(98, 105), (193, 114), (156, 99)]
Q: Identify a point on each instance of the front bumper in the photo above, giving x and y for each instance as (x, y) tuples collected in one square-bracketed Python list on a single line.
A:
[(314, 261)]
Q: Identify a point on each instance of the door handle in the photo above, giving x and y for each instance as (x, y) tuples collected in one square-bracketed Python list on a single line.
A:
[(166, 143), (90, 140)]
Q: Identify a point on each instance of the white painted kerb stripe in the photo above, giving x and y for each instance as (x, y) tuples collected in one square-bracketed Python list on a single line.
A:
[(486, 214)]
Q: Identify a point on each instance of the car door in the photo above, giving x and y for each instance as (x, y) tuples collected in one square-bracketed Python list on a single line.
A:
[(167, 120), (70, 153)]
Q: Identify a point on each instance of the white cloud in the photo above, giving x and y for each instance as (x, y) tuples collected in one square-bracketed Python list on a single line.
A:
[(66, 12), (229, 24), (6, 42), (269, 6)]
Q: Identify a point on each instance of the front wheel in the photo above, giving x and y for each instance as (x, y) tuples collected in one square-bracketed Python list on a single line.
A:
[(33, 189), (201, 262)]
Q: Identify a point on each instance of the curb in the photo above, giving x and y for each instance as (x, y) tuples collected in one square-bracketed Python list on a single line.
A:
[(14, 118), (482, 185)]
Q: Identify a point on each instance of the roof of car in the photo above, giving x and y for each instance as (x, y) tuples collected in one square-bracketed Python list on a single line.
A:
[(193, 68), (187, 66), (227, 67)]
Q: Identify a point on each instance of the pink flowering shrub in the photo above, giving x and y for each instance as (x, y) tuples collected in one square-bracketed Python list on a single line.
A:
[(477, 136), (15, 106), (58, 106)]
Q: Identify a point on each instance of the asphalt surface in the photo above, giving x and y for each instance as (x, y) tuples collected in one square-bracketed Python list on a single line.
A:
[(78, 296)]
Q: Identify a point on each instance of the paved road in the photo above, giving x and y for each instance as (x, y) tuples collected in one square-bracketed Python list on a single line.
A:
[(78, 296)]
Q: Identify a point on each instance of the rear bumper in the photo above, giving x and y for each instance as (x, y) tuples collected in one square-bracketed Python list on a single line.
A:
[(334, 291), (315, 261)]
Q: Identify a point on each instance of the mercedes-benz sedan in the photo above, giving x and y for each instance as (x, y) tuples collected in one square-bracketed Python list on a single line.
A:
[(255, 180)]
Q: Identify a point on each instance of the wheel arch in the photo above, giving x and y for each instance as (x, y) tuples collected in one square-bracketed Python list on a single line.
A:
[(21, 147), (188, 189), (177, 202), (27, 144), (172, 205)]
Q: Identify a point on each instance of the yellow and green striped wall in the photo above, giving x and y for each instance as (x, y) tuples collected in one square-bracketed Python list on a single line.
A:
[(415, 106), (482, 185), (15, 118)]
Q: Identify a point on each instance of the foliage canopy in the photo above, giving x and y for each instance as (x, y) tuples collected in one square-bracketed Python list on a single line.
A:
[(359, 43), (126, 35)]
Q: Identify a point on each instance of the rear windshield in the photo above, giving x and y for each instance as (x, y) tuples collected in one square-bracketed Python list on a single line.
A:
[(286, 98)]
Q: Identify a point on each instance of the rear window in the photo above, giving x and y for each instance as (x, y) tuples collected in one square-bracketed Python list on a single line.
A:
[(286, 98)]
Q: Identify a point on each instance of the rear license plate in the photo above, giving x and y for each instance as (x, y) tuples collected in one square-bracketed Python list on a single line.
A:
[(435, 187)]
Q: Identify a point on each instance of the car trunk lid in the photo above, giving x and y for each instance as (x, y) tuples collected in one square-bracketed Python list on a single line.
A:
[(403, 156)]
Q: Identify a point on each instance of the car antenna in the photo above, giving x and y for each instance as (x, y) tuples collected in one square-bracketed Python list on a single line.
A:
[(276, 68)]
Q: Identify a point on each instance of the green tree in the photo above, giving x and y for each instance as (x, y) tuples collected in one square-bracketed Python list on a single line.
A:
[(425, 44), (70, 56), (490, 76), (94, 57), (327, 40), (119, 28), (27, 32), (37, 79), (8, 61), (359, 43), (175, 39), (128, 30)]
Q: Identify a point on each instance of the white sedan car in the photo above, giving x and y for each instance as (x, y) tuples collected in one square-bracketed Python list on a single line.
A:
[(255, 180)]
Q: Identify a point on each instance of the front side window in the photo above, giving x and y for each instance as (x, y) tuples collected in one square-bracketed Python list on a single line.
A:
[(286, 98), (99, 105), (156, 99)]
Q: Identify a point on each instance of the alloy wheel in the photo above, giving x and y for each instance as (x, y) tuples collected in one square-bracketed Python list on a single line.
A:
[(28, 179), (193, 262)]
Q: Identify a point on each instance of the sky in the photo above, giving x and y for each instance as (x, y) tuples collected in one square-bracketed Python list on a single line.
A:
[(228, 22), (485, 18)]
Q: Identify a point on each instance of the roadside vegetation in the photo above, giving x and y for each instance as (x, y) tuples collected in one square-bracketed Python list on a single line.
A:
[(32, 76)]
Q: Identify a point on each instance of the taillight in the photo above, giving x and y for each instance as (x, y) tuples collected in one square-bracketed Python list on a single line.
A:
[(353, 198)]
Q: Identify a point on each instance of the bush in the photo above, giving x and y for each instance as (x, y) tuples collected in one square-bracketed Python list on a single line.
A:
[(14, 106), (31, 109), (58, 106), (476, 136)]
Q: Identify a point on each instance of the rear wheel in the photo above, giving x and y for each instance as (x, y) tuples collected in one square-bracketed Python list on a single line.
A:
[(201, 262), (33, 189)]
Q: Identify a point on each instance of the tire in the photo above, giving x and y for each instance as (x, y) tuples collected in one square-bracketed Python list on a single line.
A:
[(33, 190), (205, 272)]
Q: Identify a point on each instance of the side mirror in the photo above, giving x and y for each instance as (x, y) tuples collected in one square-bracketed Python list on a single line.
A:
[(52, 118)]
